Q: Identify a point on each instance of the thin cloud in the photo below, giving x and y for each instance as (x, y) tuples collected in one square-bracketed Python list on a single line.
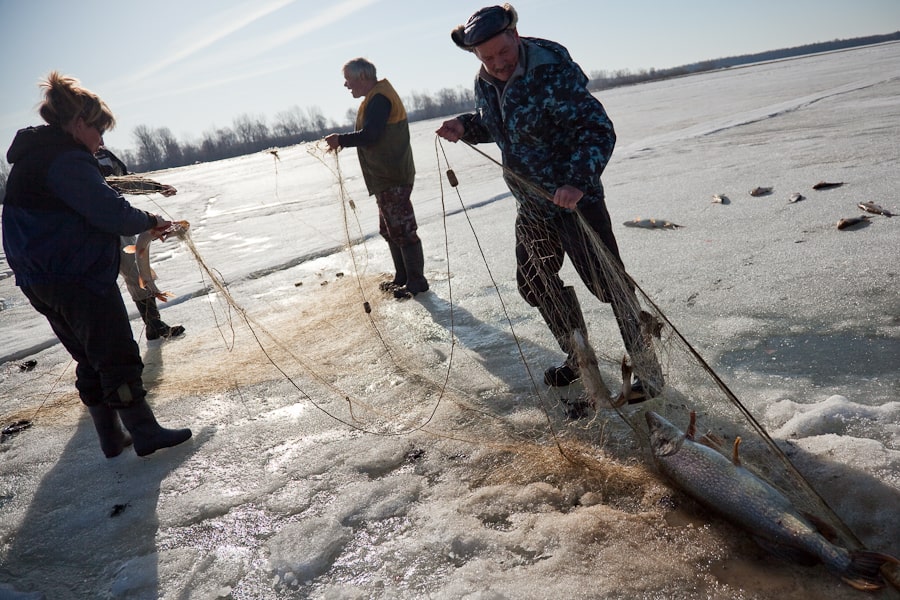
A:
[(266, 43), (202, 40)]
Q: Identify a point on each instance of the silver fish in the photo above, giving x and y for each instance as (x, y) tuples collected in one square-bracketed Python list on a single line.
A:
[(875, 209), (848, 222), (651, 224), (825, 185), (761, 191), (748, 501), (720, 199), (141, 251), (796, 197)]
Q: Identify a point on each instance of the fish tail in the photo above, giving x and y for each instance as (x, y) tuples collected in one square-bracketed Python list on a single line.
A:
[(865, 570)]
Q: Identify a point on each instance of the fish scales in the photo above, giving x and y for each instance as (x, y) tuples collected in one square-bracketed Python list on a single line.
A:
[(754, 504)]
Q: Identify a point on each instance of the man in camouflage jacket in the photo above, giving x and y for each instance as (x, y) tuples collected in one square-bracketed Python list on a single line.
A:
[(532, 100)]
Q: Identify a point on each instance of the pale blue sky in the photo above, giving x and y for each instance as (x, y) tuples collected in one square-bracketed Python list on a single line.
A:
[(194, 65)]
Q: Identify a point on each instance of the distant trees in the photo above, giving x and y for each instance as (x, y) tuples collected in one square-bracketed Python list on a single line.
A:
[(158, 149), (601, 80)]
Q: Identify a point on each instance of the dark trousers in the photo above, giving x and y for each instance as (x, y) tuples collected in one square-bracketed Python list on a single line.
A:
[(396, 219), (541, 246), (94, 328)]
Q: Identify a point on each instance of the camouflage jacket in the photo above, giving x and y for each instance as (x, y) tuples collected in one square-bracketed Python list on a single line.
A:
[(550, 129)]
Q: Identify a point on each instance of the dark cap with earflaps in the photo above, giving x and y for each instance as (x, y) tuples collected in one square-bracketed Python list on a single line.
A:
[(483, 25)]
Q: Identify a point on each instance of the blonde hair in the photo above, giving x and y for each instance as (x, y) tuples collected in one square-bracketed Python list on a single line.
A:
[(65, 100)]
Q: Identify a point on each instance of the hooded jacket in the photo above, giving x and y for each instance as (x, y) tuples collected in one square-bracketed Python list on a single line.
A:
[(550, 129), (61, 221)]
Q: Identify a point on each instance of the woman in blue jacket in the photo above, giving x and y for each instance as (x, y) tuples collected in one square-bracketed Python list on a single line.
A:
[(61, 228)]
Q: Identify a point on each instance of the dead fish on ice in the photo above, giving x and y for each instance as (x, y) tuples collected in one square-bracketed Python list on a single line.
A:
[(796, 197), (824, 185), (760, 191), (752, 503), (851, 221), (720, 199), (874, 209), (651, 224), (141, 250)]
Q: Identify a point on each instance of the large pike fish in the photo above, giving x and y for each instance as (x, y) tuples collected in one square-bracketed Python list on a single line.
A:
[(141, 251), (743, 498)]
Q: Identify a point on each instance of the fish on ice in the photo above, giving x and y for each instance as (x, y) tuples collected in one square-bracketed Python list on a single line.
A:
[(825, 185), (748, 501), (760, 191), (875, 209), (651, 224), (141, 250), (849, 222)]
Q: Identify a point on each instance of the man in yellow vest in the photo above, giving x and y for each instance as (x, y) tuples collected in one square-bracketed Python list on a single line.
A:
[(382, 144)]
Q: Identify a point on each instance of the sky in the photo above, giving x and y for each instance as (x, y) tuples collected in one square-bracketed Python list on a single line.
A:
[(194, 66)]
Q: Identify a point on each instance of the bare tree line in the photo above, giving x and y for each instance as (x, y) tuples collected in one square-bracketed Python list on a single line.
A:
[(601, 80), (158, 149)]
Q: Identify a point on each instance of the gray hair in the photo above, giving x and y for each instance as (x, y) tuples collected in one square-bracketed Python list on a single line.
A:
[(360, 68)]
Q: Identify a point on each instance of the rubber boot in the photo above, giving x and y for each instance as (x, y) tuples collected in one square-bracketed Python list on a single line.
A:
[(155, 328), (563, 319), (113, 439), (414, 260), (149, 436), (399, 269)]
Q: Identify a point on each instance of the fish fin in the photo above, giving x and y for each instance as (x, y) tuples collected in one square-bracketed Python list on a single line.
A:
[(735, 456), (626, 380), (692, 427), (164, 296), (130, 249), (865, 570), (786, 553)]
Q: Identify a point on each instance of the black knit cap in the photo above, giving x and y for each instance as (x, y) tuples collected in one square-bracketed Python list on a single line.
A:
[(483, 25)]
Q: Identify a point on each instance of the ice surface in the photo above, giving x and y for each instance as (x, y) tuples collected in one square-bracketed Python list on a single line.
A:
[(378, 460)]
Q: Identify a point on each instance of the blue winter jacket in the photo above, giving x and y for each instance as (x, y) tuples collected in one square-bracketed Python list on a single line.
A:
[(550, 129), (61, 221)]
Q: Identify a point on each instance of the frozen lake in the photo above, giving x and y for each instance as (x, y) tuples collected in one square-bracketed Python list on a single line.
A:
[(345, 454)]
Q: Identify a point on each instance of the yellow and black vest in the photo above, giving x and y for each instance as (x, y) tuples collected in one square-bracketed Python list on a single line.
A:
[(388, 162)]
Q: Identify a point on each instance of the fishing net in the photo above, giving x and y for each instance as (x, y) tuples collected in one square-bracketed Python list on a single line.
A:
[(474, 371), (627, 339)]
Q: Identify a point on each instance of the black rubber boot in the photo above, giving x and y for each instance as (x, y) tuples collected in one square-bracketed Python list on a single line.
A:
[(113, 439), (149, 436), (414, 260), (399, 269), (562, 320), (155, 328)]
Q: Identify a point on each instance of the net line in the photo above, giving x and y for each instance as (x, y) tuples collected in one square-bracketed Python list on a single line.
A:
[(702, 391)]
